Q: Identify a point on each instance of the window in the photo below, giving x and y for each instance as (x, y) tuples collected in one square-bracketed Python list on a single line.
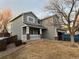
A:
[(34, 31), (39, 22), (24, 30), (31, 19)]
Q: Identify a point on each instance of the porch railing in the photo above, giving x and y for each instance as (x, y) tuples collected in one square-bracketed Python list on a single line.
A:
[(35, 36)]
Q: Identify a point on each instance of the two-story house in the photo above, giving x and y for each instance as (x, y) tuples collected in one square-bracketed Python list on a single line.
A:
[(27, 27)]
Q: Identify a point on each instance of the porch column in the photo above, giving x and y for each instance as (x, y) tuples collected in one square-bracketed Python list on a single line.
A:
[(41, 33), (27, 33), (27, 30), (55, 35)]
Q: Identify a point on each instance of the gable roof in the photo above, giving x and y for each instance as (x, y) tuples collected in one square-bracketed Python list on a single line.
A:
[(23, 14), (48, 17)]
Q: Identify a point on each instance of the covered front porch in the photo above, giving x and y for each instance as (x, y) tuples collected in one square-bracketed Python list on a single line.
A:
[(31, 33)]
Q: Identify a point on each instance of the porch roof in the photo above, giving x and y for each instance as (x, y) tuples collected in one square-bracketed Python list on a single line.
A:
[(35, 25)]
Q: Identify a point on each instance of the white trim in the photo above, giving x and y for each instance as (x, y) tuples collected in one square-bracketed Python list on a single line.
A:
[(22, 29), (21, 34), (23, 37), (22, 18), (32, 18), (24, 25), (55, 35), (27, 30), (40, 31), (34, 37)]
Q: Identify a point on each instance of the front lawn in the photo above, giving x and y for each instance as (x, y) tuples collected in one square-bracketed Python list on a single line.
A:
[(46, 49)]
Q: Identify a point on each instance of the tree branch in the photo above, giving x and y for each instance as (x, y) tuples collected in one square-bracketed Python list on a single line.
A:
[(71, 11), (75, 18)]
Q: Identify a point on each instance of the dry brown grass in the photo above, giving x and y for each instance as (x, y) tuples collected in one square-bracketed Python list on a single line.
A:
[(46, 49)]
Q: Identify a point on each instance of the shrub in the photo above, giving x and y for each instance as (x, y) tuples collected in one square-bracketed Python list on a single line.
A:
[(24, 43), (3, 45), (11, 39), (18, 42)]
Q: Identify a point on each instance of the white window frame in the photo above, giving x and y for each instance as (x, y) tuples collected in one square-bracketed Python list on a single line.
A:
[(32, 18), (22, 28)]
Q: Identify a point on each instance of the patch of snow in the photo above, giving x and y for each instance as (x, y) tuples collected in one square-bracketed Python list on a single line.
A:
[(1, 38)]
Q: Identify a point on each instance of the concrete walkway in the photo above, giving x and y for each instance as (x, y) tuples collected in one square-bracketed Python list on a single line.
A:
[(10, 49)]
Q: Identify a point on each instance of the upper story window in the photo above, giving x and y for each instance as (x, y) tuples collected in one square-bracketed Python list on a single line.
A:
[(30, 19)]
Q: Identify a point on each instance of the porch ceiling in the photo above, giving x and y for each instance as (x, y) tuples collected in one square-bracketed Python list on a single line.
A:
[(35, 26)]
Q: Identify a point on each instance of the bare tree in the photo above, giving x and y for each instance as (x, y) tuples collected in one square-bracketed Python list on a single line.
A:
[(5, 16), (67, 9)]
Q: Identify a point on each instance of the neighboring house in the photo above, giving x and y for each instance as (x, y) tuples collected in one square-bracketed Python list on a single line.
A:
[(28, 27), (52, 25)]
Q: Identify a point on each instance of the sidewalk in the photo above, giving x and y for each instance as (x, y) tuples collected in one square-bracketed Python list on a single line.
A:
[(10, 49)]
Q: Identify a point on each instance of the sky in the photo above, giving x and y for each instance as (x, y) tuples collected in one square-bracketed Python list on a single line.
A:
[(21, 6)]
